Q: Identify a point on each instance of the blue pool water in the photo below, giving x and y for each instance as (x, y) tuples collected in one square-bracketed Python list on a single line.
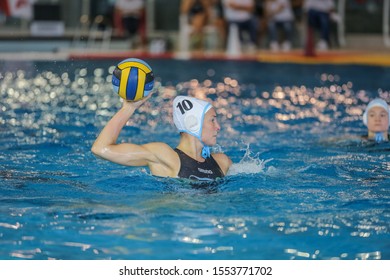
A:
[(301, 187)]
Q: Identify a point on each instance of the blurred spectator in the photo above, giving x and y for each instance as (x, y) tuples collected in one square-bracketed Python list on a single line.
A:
[(4, 10), (198, 12), (261, 21), (218, 20), (241, 13), (318, 19), (279, 16), (132, 16), (297, 7), (299, 26)]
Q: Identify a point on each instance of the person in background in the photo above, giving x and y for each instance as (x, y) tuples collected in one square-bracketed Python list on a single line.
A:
[(297, 7), (318, 19), (241, 13), (299, 26), (279, 15), (132, 19), (4, 11), (261, 19), (218, 20), (198, 12), (377, 119)]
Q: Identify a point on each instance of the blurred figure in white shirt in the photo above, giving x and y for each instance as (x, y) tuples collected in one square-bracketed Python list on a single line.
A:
[(241, 13), (279, 16), (318, 19), (132, 16)]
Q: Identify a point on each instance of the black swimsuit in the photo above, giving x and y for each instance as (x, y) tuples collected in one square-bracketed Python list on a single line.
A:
[(190, 168)]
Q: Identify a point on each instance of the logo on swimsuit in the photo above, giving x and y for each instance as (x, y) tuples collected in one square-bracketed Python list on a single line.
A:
[(205, 171), (193, 177)]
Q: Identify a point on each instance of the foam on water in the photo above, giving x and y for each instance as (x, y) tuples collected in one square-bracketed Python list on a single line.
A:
[(249, 164)]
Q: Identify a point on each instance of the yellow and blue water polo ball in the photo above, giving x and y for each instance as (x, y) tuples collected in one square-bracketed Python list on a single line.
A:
[(133, 79)]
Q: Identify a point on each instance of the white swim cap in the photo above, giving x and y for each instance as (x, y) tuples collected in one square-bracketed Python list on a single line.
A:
[(377, 102), (188, 114)]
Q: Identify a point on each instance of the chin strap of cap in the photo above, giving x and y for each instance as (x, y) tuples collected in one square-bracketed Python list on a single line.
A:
[(379, 137), (205, 152)]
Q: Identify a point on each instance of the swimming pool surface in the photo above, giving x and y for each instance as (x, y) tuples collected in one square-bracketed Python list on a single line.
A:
[(300, 186)]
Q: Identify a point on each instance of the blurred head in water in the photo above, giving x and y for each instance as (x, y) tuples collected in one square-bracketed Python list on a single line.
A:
[(376, 117)]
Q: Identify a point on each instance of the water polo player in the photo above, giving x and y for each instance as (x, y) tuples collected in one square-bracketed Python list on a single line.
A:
[(198, 126), (377, 118)]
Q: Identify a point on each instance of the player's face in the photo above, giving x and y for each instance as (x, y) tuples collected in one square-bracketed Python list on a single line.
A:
[(211, 128), (377, 119)]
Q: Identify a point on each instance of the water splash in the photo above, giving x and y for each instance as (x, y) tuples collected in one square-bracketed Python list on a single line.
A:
[(249, 164)]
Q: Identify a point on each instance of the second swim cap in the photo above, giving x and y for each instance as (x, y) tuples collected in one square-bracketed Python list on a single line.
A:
[(377, 102)]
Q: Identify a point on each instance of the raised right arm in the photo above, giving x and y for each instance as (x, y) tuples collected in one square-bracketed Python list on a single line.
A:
[(105, 145), (159, 157)]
